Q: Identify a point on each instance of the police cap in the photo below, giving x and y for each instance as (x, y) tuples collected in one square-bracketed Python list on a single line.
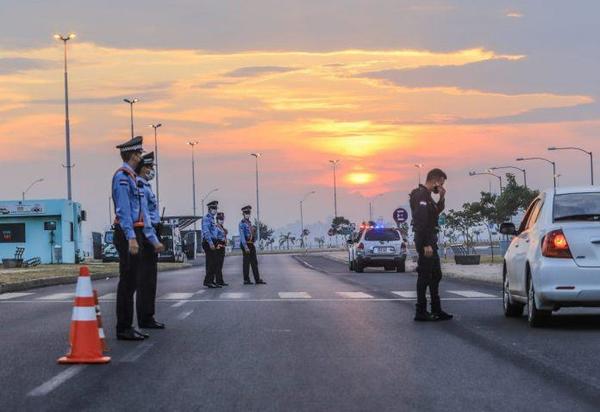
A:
[(221, 216), (148, 159), (213, 204), (134, 144), (247, 209)]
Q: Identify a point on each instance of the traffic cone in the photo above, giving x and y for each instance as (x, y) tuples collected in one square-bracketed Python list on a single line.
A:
[(99, 319), (86, 346)]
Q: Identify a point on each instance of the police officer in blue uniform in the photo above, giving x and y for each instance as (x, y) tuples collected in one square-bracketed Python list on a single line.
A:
[(221, 243), (131, 225), (209, 239), (146, 292), (247, 237)]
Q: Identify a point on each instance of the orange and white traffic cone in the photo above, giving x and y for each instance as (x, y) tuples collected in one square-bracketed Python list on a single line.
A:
[(86, 346), (99, 319)]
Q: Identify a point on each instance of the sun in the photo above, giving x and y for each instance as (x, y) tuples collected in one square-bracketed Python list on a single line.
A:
[(359, 178)]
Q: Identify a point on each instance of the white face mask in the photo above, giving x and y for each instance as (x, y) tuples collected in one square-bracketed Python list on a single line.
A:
[(150, 175), (247, 216), (213, 211), (220, 221)]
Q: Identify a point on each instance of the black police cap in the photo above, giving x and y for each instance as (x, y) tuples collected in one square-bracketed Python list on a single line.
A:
[(148, 159), (131, 145), (247, 208), (214, 203)]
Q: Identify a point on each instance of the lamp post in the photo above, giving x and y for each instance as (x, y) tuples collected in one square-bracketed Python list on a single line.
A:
[(256, 156), (302, 217), (206, 197), (522, 159), (131, 103), (193, 143), (581, 150), (513, 167), (30, 186), (490, 174), (371, 205), (334, 163), (68, 166), (155, 127), (419, 166)]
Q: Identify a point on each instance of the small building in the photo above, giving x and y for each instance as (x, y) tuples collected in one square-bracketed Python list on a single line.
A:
[(49, 229)]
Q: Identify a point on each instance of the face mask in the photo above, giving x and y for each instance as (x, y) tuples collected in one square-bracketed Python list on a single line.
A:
[(213, 211), (150, 175), (436, 189), (246, 216), (220, 221)]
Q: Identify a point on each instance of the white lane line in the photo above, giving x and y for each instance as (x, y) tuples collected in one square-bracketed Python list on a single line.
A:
[(405, 293), (185, 314), (137, 352), (355, 295), (233, 295), (179, 304), (57, 296), (108, 296), (176, 296), (53, 383), (13, 295), (200, 291), (294, 295), (471, 294)]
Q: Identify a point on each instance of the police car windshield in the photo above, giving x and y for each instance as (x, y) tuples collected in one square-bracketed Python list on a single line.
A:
[(382, 234)]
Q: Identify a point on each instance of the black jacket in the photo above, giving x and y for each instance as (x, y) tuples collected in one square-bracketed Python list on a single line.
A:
[(425, 213)]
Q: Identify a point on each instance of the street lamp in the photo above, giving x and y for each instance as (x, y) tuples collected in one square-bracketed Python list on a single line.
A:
[(206, 197), (68, 166), (334, 163), (522, 159), (419, 166), (302, 216), (193, 143), (513, 167), (371, 205), (131, 103), (156, 126), (490, 174), (581, 150), (256, 156), (29, 187)]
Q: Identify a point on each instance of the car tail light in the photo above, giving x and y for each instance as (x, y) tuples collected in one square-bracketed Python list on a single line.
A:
[(555, 245), (360, 246)]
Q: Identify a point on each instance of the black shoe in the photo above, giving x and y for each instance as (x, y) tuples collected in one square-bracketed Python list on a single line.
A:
[(441, 315), (129, 334), (216, 285), (223, 284), (138, 332), (423, 317), (211, 285), (261, 282), (152, 325), (248, 282)]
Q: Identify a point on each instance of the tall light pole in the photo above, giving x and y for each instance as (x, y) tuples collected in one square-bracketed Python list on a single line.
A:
[(155, 127), (334, 163), (68, 166), (513, 167), (131, 103), (419, 166), (256, 156), (522, 159), (490, 174), (30, 186), (302, 217), (371, 206), (193, 143), (206, 197), (581, 150)]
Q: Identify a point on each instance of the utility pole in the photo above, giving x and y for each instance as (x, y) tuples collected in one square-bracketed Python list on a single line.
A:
[(193, 143)]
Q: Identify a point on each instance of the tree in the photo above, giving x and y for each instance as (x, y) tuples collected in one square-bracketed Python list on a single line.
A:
[(514, 197), (286, 238), (403, 227), (341, 226), (320, 241), (464, 221), (265, 231), (303, 236)]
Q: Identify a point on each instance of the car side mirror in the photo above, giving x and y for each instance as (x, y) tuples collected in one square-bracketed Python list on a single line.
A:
[(349, 242), (508, 228)]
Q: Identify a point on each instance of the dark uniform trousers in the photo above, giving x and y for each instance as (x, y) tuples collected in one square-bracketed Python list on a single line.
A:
[(146, 289), (129, 267), (250, 259), (211, 263), (429, 272), (220, 256)]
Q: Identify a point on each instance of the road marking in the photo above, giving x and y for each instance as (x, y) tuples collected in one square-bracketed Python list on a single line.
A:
[(355, 295), (48, 386), (294, 295), (471, 294), (176, 296), (13, 295), (200, 291), (57, 296), (185, 314), (233, 295), (108, 296), (405, 293), (137, 352), (179, 304)]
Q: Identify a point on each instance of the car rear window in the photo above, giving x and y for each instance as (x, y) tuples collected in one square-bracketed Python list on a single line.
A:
[(382, 234), (576, 205)]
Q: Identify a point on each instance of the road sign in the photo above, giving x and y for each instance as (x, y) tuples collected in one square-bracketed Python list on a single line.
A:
[(400, 215)]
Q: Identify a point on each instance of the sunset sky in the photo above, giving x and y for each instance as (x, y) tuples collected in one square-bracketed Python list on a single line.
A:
[(379, 84)]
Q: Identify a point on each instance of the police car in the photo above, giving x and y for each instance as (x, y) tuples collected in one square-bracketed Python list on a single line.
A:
[(376, 246)]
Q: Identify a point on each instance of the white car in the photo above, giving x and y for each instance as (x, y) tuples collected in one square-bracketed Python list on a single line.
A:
[(377, 246), (554, 259)]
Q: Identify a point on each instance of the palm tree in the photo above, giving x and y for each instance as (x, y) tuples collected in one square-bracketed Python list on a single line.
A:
[(320, 241), (286, 238)]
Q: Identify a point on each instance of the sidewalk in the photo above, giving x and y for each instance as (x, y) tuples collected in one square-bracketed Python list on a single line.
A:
[(485, 272)]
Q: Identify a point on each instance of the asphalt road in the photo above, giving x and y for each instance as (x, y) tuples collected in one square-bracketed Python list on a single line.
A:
[(317, 338)]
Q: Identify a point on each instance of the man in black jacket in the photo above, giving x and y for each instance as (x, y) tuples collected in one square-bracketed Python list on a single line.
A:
[(425, 213)]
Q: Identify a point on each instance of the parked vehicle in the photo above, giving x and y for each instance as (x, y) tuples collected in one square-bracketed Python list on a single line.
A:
[(376, 246), (172, 240), (553, 260), (109, 251)]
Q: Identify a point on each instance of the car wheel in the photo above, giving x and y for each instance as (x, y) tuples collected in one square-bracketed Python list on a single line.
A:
[(535, 316), (388, 268), (359, 268), (401, 268), (511, 310)]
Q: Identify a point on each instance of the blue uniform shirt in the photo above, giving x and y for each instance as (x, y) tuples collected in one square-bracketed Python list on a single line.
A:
[(221, 236), (126, 199), (152, 204), (245, 233), (209, 229), (148, 229)]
